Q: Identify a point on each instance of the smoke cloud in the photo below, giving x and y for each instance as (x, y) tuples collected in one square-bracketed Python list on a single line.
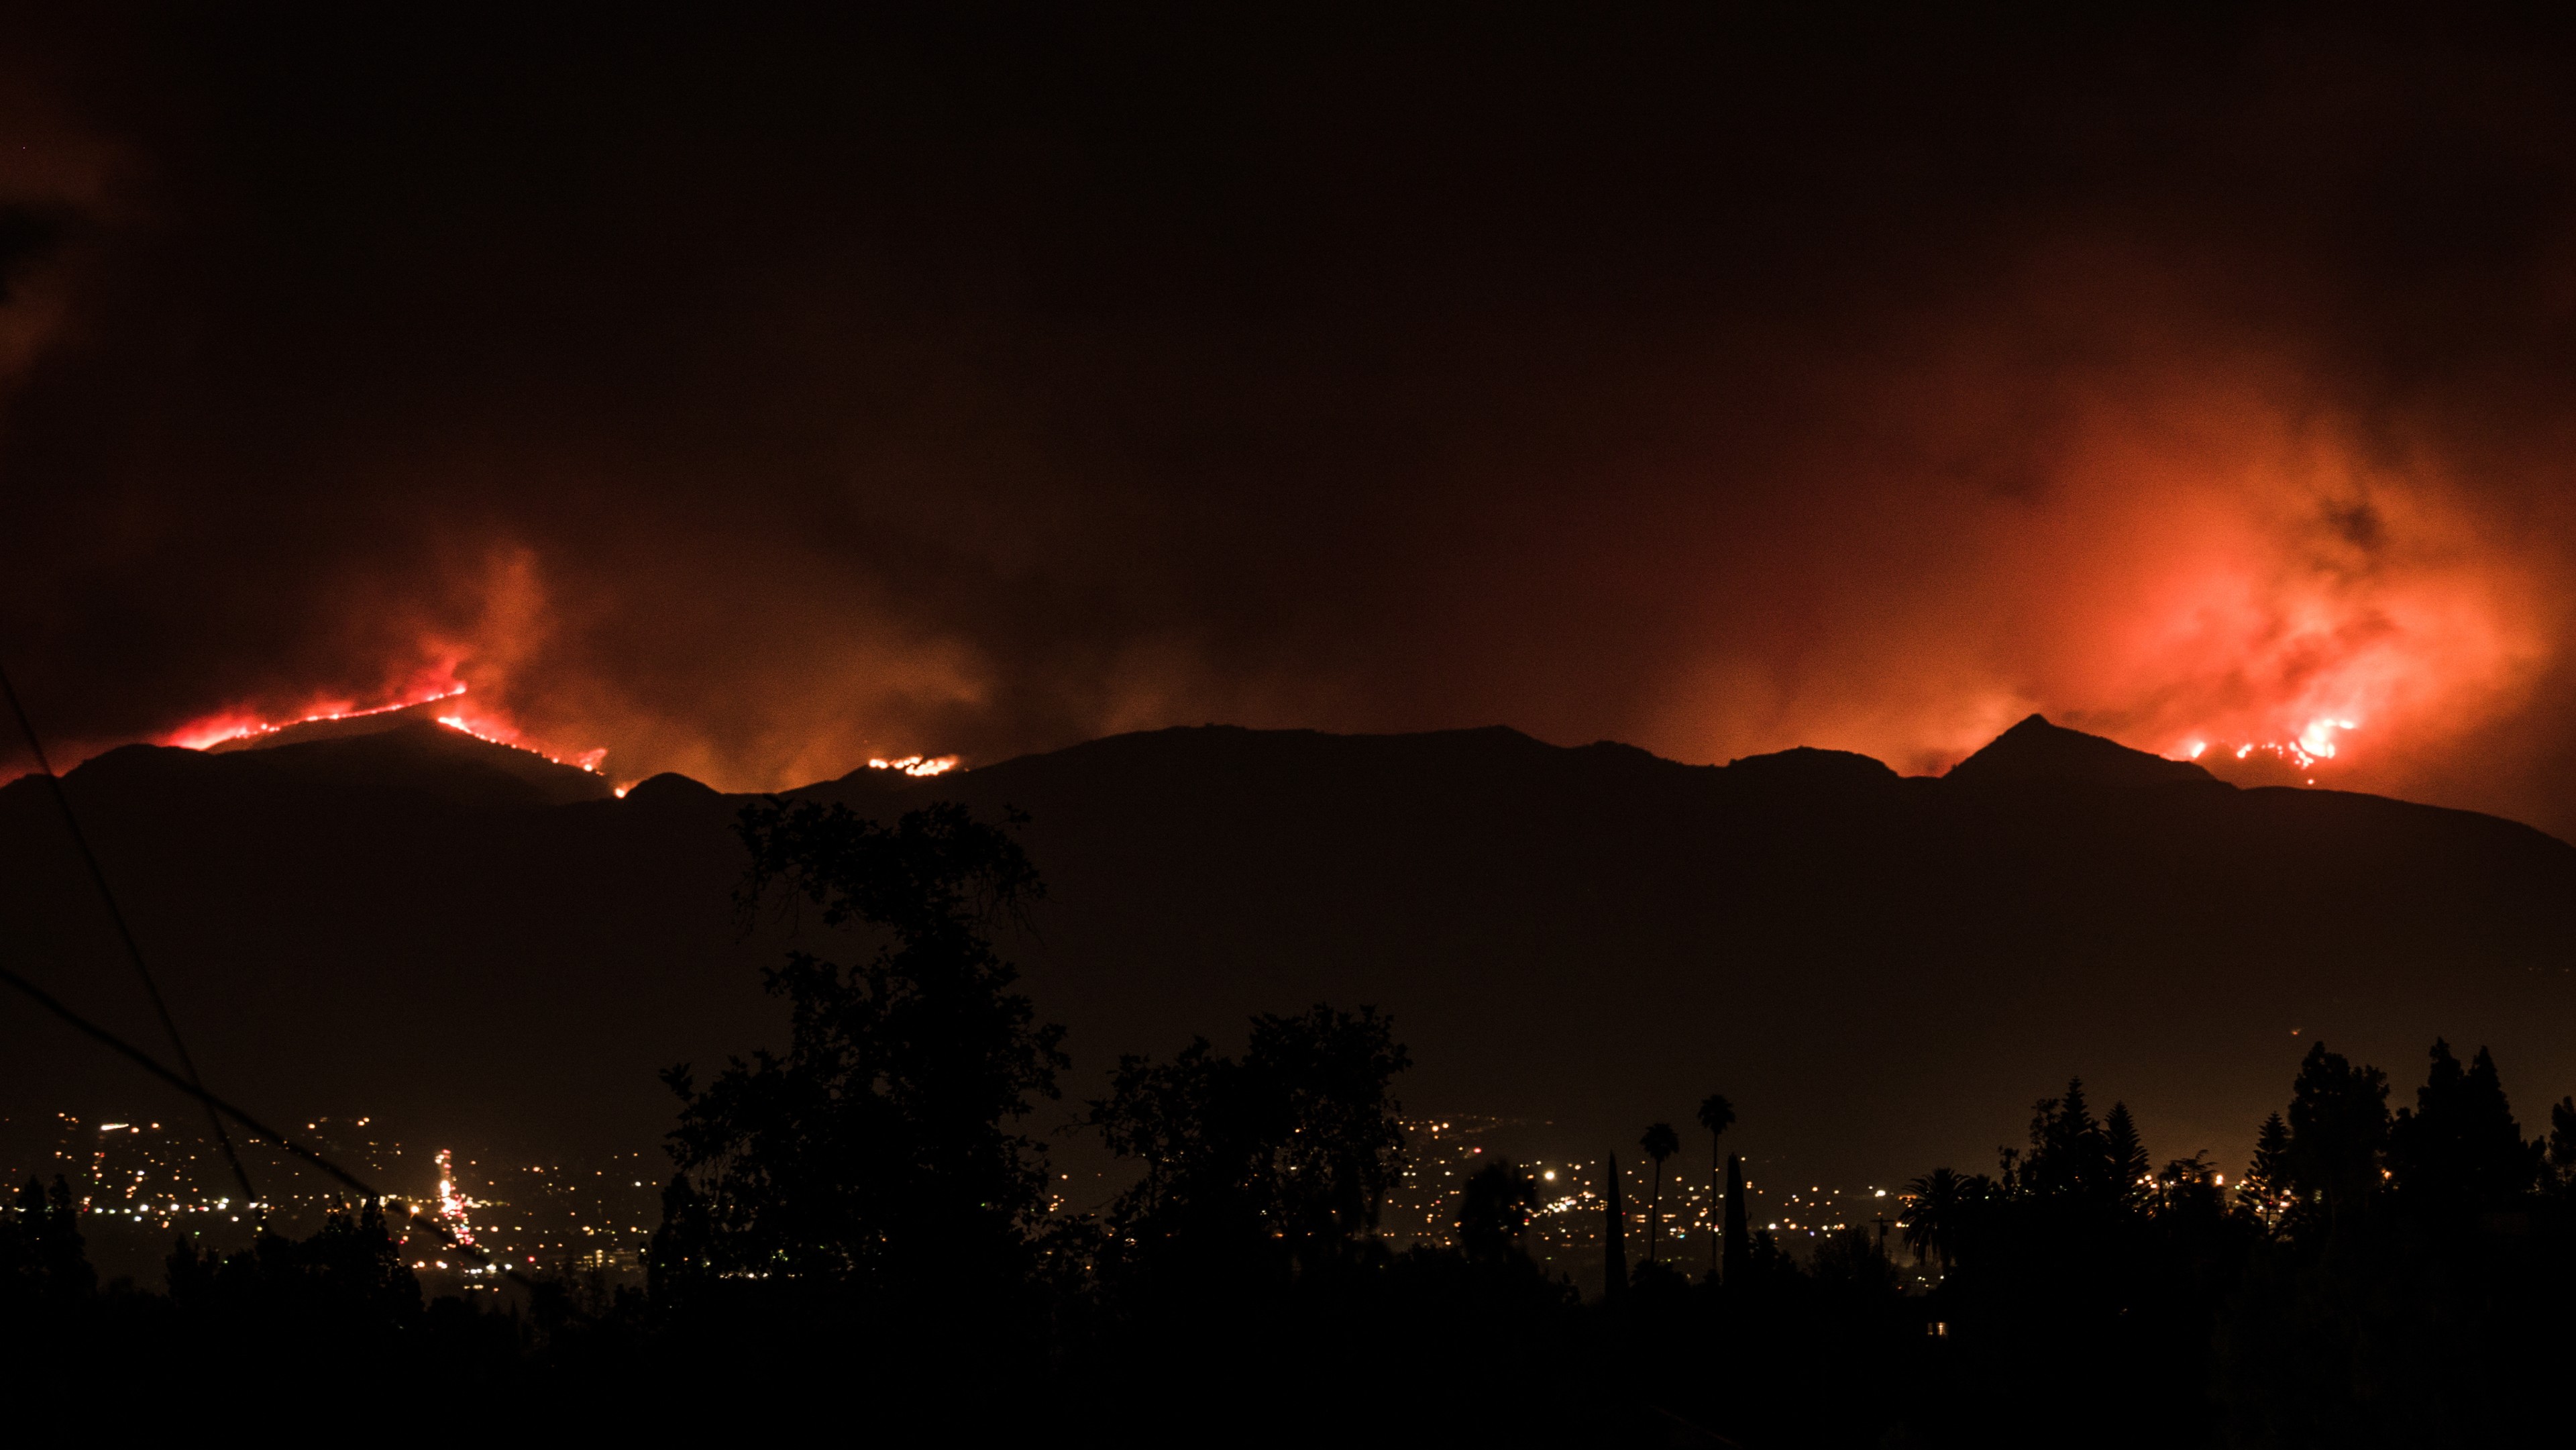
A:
[(751, 403)]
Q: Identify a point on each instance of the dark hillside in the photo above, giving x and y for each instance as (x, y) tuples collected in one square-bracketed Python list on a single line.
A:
[(404, 924)]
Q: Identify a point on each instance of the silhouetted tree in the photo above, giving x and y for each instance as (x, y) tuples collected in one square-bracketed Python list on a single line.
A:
[(2562, 1145), (1935, 1219), (347, 1279), (1660, 1144), (2338, 1125), (1851, 1260), (44, 1266), (1716, 1115), (2270, 1182), (1614, 1233), (1736, 1245), (2188, 1186), (2459, 1150), (2069, 1156), (2125, 1156), (2384, 1316), (1291, 1150), (878, 1155), (1494, 1210)]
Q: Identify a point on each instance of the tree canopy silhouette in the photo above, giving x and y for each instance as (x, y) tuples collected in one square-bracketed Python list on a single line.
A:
[(2458, 1150), (43, 1262), (1938, 1215), (2338, 1123), (879, 1154), (1285, 1155), (1494, 1210)]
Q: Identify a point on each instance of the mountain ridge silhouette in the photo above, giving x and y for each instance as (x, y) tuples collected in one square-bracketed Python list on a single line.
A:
[(474, 943), (2035, 752)]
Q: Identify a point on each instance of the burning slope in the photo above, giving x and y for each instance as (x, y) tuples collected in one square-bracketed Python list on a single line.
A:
[(441, 698)]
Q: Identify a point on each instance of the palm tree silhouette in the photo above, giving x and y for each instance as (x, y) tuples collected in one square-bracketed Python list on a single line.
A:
[(1933, 1221), (1660, 1144), (1717, 1115)]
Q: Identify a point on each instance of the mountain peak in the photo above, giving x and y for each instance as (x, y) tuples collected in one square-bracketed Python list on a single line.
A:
[(2036, 752)]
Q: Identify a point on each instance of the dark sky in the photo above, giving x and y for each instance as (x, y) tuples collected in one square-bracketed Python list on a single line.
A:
[(748, 396)]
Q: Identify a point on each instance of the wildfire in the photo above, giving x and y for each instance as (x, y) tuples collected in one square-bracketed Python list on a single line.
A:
[(918, 765), (504, 735), (229, 727), (2314, 743)]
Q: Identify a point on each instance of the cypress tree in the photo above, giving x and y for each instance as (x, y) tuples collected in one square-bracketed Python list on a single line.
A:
[(1737, 1243), (2562, 1145), (1614, 1238)]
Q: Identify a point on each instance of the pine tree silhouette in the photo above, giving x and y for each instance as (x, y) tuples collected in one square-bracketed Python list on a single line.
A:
[(2562, 1145), (2458, 1151), (2338, 1125), (2125, 1155), (2269, 1182)]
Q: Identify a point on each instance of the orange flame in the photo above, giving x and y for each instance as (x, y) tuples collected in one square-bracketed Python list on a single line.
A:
[(918, 765), (225, 726)]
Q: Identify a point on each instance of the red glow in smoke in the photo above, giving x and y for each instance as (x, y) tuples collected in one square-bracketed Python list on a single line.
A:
[(2282, 630), (2199, 567), (436, 685)]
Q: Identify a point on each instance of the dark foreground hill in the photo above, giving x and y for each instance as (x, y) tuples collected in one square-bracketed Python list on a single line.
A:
[(1881, 971)]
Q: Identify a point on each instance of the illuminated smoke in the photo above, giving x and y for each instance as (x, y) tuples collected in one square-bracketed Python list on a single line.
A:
[(235, 729)]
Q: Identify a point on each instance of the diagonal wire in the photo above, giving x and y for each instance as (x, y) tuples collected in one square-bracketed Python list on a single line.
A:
[(125, 933), (256, 1128)]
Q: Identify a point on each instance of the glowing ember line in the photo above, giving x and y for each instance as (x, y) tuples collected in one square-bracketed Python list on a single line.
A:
[(236, 725), (206, 734), (588, 760), (917, 765)]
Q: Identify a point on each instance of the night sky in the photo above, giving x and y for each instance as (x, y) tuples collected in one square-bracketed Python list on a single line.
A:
[(750, 397)]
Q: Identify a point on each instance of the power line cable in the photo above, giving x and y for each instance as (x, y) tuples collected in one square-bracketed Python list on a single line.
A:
[(256, 1128), (125, 933)]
